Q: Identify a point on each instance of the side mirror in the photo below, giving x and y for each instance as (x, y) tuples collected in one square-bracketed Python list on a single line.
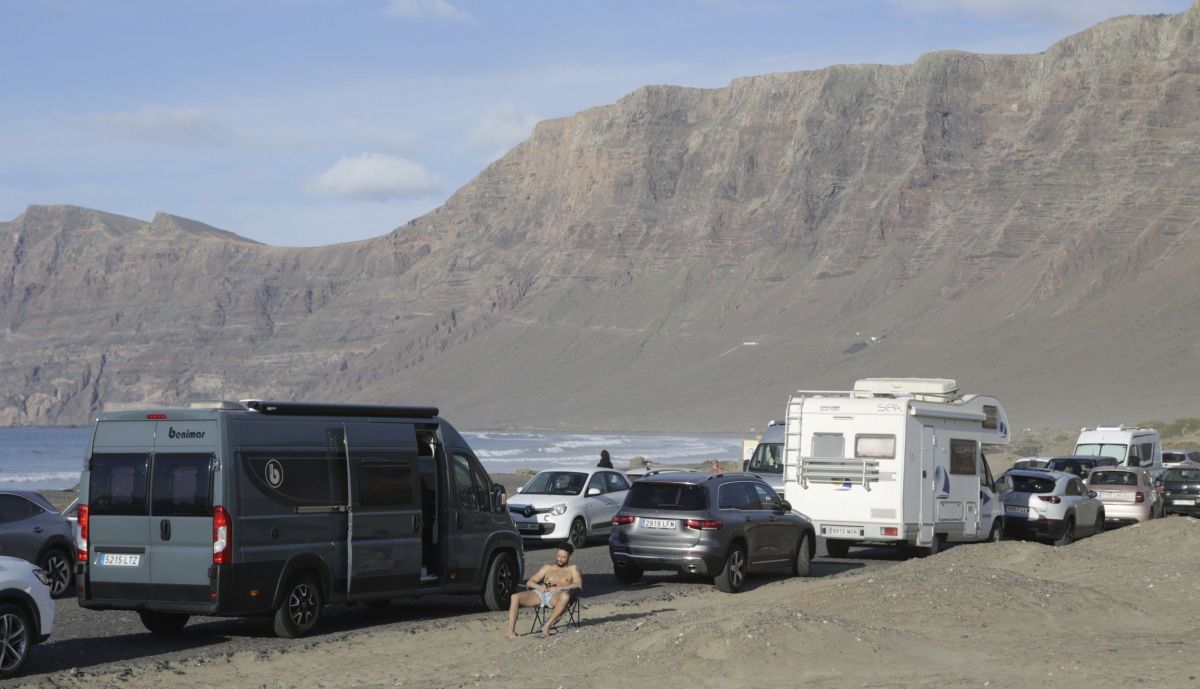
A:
[(519, 488), (592, 491), (1091, 493), (785, 505)]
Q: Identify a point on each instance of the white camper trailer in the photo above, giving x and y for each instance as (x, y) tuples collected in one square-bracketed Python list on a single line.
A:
[(895, 461)]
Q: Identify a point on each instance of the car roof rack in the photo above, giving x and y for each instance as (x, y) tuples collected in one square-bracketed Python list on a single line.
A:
[(277, 408)]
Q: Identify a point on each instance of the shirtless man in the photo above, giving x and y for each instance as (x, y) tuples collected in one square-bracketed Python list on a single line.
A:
[(549, 587)]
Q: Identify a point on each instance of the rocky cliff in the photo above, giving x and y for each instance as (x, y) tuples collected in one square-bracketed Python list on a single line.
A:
[(684, 258)]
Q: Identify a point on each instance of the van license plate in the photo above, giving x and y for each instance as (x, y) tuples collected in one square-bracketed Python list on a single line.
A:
[(841, 531), (658, 523), (1183, 502), (120, 560)]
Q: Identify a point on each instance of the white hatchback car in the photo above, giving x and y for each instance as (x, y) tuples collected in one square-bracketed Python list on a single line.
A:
[(26, 612), (1049, 505), (568, 504)]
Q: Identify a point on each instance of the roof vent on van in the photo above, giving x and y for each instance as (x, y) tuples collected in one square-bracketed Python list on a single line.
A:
[(1111, 427), (224, 405), (938, 387)]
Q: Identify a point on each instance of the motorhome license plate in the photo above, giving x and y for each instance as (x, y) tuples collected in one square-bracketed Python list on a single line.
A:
[(1183, 502), (841, 531), (1016, 509), (658, 523), (120, 560)]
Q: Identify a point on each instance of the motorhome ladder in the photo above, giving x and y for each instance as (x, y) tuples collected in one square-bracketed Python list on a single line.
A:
[(791, 442)]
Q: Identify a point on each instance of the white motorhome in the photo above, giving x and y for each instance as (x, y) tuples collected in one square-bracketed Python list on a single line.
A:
[(1131, 446), (894, 461)]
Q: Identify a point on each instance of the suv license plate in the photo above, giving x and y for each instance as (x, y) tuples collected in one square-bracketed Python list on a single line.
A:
[(842, 531), (1016, 509), (658, 523), (1183, 502), (120, 560)]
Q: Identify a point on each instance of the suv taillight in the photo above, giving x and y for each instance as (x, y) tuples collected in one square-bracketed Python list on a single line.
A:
[(702, 524), (622, 519), (222, 536), (82, 555), (1054, 499), (1141, 497)]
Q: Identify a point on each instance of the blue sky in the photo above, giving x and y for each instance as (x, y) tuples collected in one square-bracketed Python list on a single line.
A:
[(309, 122)]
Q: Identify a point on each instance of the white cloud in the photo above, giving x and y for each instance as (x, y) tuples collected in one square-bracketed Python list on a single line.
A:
[(428, 9), (1067, 12), (376, 177), (176, 126), (500, 127)]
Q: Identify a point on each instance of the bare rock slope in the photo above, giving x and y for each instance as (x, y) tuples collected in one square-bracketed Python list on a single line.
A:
[(1026, 224)]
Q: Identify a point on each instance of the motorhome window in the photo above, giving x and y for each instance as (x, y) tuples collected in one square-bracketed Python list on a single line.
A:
[(767, 459), (1031, 484), (739, 495), (672, 497), (555, 483), (181, 485), (296, 479), (962, 457), (875, 446), (829, 445), (385, 484), (1116, 451), (118, 484), (616, 482), (990, 417)]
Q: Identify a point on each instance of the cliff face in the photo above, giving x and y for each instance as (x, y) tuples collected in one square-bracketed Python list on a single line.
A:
[(1027, 224)]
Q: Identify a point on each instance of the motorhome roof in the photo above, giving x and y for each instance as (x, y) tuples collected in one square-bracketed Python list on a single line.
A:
[(911, 386)]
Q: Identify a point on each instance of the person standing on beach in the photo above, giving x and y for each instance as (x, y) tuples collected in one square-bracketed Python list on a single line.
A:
[(605, 461)]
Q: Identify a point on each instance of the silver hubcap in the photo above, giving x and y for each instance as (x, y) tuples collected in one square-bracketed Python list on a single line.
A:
[(735, 568), (59, 571), (302, 605), (12, 631)]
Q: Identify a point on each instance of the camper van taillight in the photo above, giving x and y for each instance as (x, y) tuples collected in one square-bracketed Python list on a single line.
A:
[(156, 417), (222, 536), (82, 555)]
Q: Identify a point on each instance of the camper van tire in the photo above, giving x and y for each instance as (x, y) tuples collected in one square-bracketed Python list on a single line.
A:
[(501, 581), (578, 533), (934, 547), (163, 622), (837, 548), (733, 574), (1068, 535), (803, 562), (300, 610), (627, 575), (997, 533)]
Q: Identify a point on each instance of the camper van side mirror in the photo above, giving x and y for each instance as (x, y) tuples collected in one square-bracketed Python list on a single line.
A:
[(499, 497)]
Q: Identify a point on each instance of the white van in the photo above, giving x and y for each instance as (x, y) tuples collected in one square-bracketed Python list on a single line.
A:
[(894, 461), (1132, 447), (767, 460)]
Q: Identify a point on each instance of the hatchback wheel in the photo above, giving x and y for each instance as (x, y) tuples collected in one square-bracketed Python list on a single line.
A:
[(57, 565), (297, 615), (1099, 523), (16, 638), (733, 575), (578, 533), (1068, 536)]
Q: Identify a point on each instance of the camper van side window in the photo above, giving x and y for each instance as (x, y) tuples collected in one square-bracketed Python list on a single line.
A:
[(386, 484), (293, 479), (990, 416), (875, 446), (962, 457), (829, 445)]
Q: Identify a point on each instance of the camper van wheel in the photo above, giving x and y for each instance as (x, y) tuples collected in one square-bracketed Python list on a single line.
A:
[(300, 609), (934, 547), (733, 574), (837, 548), (803, 561), (578, 534), (501, 581), (1068, 536), (163, 622), (997, 533)]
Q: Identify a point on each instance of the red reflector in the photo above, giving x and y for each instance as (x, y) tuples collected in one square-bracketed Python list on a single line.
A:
[(890, 531), (702, 524), (156, 417), (1053, 499), (622, 519), (1141, 497)]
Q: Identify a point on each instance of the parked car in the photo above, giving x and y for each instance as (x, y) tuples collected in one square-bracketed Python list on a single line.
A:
[(1128, 495), (33, 530), (26, 612), (1176, 457), (1180, 488), (1080, 465), (568, 504), (723, 526), (1050, 505)]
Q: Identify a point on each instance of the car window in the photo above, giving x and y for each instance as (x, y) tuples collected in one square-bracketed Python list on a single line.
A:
[(739, 495), (555, 483), (767, 497), (597, 482), (674, 497), (615, 482), (14, 508), (470, 483), (1181, 475), (1072, 488)]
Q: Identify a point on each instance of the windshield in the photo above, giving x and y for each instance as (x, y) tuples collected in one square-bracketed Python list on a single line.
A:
[(1113, 478), (767, 459), (675, 497), (1181, 476), (1031, 484), (555, 483), (1113, 450)]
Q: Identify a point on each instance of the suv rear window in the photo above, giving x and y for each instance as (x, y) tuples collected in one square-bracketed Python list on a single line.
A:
[(1032, 484), (675, 497), (118, 484), (1113, 478)]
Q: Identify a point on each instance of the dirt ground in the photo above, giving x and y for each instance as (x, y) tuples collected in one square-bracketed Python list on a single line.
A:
[(1118, 609)]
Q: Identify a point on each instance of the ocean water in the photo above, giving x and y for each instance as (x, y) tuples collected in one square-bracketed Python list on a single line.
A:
[(52, 458)]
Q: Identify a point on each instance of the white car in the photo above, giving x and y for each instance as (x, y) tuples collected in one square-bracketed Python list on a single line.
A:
[(568, 504), (26, 612), (1049, 505)]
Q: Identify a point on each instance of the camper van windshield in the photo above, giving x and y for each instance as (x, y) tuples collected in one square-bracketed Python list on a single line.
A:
[(767, 459), (1113, 450), (555, 483)]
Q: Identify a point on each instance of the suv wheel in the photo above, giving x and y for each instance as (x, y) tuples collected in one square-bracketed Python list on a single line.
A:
[(578, 533), (837, 548), (501, 582), (16, 638), (163, 622), (627, 575), (297, 615), (803, 561), (733, 574), (57, 565), (1068, 536)]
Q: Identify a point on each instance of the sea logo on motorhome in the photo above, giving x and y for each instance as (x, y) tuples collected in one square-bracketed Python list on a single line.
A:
[(184, 434), (273, 473)]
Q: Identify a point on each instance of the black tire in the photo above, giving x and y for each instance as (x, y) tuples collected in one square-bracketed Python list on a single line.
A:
[(163, 622), (1099, 524), (501, 581), (627, 575), (56, 563), (577, 536), (997, 533), (837, 548), (1068, 536), (802, 563), (933, 548), (16, 635), (300, 609), (732, 577)]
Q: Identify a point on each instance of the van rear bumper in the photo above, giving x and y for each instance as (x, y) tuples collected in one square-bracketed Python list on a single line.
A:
[(215, 598)]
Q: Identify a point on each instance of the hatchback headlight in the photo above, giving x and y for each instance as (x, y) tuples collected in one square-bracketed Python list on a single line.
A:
[(41, 576), (558, 510)]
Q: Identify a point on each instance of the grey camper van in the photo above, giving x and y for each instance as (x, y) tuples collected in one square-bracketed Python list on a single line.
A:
[(277, 508)]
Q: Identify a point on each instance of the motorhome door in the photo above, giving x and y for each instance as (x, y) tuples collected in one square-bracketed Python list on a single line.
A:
[(928, 488), (963, 501)]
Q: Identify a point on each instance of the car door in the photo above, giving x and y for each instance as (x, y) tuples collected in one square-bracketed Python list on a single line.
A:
[(1085, 508), (471, 519), (740, 502), (779, 532)]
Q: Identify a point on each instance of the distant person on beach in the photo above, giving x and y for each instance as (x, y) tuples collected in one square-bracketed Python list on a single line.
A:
[(713, 466), (552, 586), (605, 460)]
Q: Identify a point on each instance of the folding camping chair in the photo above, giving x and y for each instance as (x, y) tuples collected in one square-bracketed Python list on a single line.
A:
[(570, 618)]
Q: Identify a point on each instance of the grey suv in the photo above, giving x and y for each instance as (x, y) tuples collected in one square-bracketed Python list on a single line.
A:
[(31, 529), (719, 525)]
